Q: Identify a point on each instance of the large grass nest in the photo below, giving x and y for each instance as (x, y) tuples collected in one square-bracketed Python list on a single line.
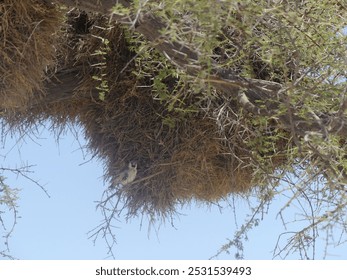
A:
[(205, 155)]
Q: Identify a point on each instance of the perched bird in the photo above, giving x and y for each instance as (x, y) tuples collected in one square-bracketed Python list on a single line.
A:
[(125, 176)]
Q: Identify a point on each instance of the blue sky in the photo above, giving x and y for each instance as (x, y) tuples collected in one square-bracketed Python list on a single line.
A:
[(57, 227)]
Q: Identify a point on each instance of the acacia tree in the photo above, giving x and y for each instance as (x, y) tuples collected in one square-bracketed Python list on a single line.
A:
[(283, 63)]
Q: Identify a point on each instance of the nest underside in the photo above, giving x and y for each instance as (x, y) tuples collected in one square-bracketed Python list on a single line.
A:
[(204, 155)]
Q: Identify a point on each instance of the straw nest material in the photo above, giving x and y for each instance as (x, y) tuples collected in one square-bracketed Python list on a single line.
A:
[(205, 155), (28, 33)]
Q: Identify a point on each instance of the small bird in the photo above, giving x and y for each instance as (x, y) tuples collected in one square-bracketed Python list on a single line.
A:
[(125, 176)]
